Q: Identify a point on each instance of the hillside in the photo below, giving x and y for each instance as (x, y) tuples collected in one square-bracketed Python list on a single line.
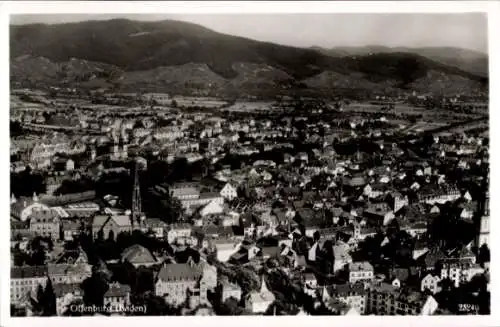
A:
[(176, 55), (468, 60)]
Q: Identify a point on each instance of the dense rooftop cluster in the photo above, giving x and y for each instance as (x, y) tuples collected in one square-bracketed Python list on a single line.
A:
[(196, 206)]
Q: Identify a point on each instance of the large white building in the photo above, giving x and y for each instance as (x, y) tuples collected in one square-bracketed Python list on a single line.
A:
[(24, 280), (386, 299), (176, 282), (460, 272), (360, 271), (352, 295), (484, 228), (191, 197)]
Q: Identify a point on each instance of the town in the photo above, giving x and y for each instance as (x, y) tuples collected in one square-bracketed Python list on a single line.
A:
[(190, 205)]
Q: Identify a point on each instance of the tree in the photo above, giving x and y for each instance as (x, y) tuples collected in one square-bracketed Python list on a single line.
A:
[(19, 256), (38, 258), (156, 306), (484, 254), (144, 280), (39, 298), (229, 307), (94, 288), (49, 300), (111, 236), (100, 235)]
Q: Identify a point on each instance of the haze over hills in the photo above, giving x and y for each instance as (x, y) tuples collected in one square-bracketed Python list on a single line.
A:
[(178, 55), (469, 60)]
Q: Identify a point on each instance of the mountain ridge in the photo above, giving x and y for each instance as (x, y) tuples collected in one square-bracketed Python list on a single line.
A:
[(472, 61), (125, 50)]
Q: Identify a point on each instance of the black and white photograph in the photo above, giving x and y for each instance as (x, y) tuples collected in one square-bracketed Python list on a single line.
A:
[(249, 164)]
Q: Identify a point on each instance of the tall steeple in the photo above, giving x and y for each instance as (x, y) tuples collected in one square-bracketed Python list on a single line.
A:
[(136, 197)]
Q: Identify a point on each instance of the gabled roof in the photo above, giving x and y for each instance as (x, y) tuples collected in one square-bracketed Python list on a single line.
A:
[(137, 254), (360, 266), (344, 290), (400, 273), (117, 290), (61, 290), (179, 272), (68, 269), (28, 272)]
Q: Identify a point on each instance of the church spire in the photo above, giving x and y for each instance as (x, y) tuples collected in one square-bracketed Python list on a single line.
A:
[(136, 197)]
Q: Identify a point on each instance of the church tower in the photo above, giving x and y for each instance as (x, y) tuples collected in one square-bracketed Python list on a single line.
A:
[(483, 217), (136, 197), (484, 226)]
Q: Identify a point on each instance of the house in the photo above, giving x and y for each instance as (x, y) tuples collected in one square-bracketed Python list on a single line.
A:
[(230, 290), (385, 299), (303, 157), (360, 271), (397, 201), (352, 295), (361, 232), (415, 229), (24, 280), (342, 257), (46, 223), (178, 231), (156, 226), (65, 295), (374, 190), (484, 228), (225, 248), (310, 284), (460, 272), (229, 192), (378, 214), (20, 229), (117, 296), (430, 282), (70, 229), (467, 211), (111, 226), (212, 208), (138, 256), (355, 181), (251, 225), (176, 282), (82, 209), (419, 249), (53, 183), (259, 302), (201, 199), (441, 195), (68, 273), (72, 256), (312, 252)]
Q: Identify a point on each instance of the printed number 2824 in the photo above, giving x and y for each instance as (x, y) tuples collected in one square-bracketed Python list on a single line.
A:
[(467, 307)]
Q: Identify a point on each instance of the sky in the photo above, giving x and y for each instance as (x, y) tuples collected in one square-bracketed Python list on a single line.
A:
[(467, 30)]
